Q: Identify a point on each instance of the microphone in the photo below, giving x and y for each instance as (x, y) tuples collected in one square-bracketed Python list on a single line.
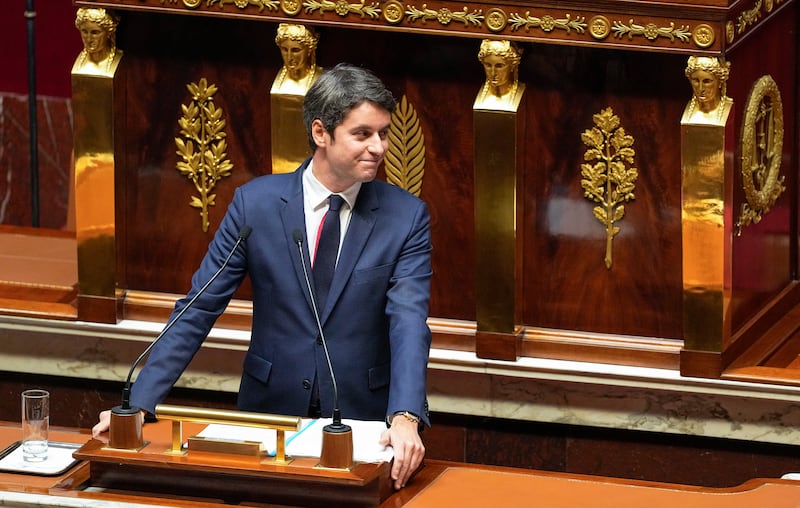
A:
[(126, 413), (337, 438)]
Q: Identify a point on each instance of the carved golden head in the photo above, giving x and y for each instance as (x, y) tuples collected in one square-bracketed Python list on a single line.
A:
[(298, 45), (98, 29), (503, 49), (302, 34), (708, 77), (500, 61)]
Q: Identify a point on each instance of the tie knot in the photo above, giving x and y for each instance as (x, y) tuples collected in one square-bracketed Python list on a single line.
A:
[(335, 202)]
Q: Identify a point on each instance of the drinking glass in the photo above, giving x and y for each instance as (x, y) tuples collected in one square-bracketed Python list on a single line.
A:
[(35, 424)]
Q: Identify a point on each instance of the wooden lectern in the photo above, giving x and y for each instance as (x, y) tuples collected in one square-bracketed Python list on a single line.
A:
[(230, 478)]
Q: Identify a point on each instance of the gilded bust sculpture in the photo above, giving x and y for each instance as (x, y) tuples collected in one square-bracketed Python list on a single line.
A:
[(708, 77), (502, 89), (98, 29), (298, 45)]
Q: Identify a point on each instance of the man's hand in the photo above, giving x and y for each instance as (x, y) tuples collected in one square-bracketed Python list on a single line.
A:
[(403, 437), (103, 423)]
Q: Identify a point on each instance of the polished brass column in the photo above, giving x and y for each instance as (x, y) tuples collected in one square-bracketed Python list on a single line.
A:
[(495, 138), (289, 138), (93, 76), (707, 225)]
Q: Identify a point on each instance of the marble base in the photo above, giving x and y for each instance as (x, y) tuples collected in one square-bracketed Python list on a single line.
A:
[(531, 389)]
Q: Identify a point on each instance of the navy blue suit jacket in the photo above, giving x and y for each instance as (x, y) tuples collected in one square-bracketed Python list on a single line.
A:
[(374, 319)]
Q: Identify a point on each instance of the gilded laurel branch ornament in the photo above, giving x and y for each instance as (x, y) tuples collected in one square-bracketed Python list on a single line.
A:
[(548, 23), (202, 146), (762, 149), (242, 4), (405, 159), (651, 31), (444, 15), (343, 8), (606, 179), (748, 17)]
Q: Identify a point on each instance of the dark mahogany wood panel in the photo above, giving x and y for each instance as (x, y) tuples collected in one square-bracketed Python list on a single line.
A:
[(164, 240), (565, 281), (765, 255), (163, 243)]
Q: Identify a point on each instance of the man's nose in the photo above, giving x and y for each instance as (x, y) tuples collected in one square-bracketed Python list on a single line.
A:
[(376, 144)]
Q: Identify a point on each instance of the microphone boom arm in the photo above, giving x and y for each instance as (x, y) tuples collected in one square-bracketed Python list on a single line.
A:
[(126, 391), (337, 413)]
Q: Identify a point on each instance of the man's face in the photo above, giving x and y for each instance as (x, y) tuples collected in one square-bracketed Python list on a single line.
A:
[(356, 149), (705, 87)]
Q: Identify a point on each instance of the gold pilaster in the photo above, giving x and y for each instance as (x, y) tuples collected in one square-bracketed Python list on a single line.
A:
[(495, 138), (495, 219), (707, 229), (93, 142), (289, 137)]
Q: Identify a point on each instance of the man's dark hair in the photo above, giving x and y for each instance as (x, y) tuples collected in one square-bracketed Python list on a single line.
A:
[(337, 91)]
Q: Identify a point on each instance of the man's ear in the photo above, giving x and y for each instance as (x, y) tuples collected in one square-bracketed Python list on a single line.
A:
[(318, 133)]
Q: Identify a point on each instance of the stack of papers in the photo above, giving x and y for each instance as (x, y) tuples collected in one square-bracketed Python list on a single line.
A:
[(307, 442)]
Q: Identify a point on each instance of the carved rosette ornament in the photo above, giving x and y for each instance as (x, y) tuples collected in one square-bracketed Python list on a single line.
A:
[(703, 35), (496, 19), (291, 7), (405, 159), (606, 179), (762, 150), (202, 146), (393, 12), (599, 27)]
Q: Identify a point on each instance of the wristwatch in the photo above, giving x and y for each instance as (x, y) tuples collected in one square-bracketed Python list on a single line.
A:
[(405, 414)]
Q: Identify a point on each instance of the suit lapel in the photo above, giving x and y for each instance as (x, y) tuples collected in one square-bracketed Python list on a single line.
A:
[(293, 219), (358, 231)]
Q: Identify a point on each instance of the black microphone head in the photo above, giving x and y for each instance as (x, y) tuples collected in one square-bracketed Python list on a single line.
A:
[(298, 236), (245, 232)]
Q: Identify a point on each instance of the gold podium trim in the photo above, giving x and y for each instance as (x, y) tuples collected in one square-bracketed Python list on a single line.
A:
[(180, 414)]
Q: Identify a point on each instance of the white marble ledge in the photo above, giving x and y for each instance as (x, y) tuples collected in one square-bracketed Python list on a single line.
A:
[(26, 500), (530, 389)]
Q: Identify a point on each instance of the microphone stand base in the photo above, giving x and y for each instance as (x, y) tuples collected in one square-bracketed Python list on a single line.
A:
[(125, 429), (337, 447)]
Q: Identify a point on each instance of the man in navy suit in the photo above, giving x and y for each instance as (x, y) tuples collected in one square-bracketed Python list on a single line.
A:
[(374, 317)]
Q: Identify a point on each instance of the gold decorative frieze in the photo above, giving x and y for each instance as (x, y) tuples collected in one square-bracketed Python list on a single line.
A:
[(537, 24), (749, 17), (405, 159), (762, 150), (606, 179), (651, 31), (202, 146)]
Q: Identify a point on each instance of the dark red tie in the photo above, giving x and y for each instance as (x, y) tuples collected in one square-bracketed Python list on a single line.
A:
[(327, 250)]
